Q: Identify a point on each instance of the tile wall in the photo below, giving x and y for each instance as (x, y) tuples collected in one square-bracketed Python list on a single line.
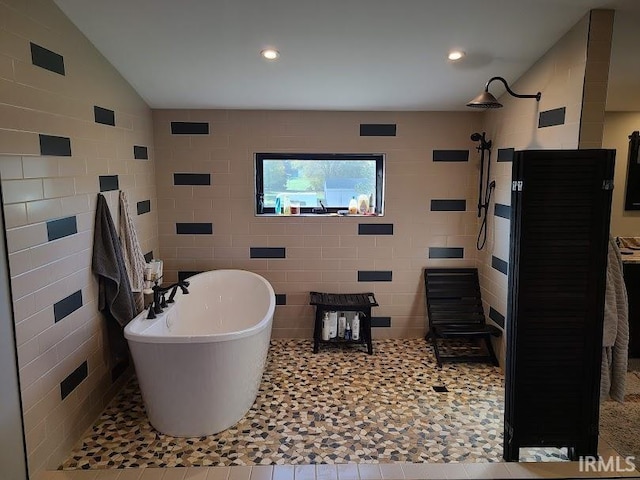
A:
[(206, 203), (70, 126), (573, 71)]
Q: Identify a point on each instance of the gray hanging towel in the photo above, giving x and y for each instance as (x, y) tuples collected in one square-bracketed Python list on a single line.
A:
[(131, 252), (615, 339), (115, 298)]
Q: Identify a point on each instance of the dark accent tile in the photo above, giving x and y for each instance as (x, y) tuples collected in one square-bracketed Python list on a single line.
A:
[(551, 118), (192, 179), (67, 306), (189, 128), (267, 252), (144, 207), (281, 298), (375, 275), (104, 116), (380, 322), (119, 369), (440, 389), (44, 58), (506, 154), (497, 317), (503, 211), (140, 152), (184, 274), (194, 228), (451, 155), (74, 379), (500, 265), (108, 183), (375, 229), (377, 129), (448, 205), (148, 256), (446, 252), (55, 146), (62, 227)]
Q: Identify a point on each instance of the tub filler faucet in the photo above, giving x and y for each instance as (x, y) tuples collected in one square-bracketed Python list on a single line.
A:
[(159, 302)]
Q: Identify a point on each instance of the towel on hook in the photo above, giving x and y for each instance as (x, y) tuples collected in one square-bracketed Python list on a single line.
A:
[(615, 340), (132, 253), (115, 298)]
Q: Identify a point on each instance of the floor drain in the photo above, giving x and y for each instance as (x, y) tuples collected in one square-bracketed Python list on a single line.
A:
[(440, 389)]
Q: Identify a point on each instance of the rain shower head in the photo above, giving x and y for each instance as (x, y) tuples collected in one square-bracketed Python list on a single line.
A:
[(487, 100)]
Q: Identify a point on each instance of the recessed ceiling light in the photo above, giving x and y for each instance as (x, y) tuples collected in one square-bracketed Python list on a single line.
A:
[(455, 55), (270, 53)]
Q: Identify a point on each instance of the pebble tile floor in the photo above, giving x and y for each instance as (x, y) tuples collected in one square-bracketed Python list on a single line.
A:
[(338, 406)]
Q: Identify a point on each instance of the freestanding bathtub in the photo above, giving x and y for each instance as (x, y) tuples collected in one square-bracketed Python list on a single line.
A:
[(200, 362)]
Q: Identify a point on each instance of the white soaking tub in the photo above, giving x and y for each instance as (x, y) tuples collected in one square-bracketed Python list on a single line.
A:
[(200, 362)]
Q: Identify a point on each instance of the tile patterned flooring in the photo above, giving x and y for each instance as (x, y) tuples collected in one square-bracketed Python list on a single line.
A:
[(336, 415), (339, 406)]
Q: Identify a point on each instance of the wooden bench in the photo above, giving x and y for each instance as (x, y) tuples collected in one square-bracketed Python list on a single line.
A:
[(454, 308)]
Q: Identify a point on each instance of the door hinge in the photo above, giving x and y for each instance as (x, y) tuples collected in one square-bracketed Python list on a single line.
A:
[(607, 184), (516, 186)]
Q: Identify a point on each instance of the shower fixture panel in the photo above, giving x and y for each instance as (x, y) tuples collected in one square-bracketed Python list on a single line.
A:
[(487, 100), (485, 187)]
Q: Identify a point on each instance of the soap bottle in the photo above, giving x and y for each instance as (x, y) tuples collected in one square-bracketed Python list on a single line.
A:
[(325, 326), (286, 205), (363, 204), (342, 325), (372, 207), (347, 332), (355, 327), (353, 206), (333, 324)]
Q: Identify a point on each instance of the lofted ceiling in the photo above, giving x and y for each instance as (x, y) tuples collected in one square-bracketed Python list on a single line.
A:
[(337, 54)]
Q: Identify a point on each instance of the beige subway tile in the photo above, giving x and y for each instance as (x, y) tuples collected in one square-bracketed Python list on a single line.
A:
[(15, 215), (15, 191), (322, 241), (340, 252), (20, 238), (6, 67), (10, 167), (43, 210), (21, 143), (40, 167), (72, 167), (86, 184), (58, 187)]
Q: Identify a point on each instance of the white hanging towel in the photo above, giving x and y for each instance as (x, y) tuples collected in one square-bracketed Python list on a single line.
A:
[(131, 252)]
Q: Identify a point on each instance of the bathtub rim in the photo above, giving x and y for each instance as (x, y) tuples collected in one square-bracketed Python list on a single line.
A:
[(135, 330)]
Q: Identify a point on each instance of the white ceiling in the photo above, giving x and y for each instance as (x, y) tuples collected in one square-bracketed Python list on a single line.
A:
[(335, 54)]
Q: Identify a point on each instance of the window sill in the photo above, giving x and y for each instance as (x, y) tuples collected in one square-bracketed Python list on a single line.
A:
[(369, 215)]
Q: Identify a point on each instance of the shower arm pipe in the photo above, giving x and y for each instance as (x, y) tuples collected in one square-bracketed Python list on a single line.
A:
[(537, 96)]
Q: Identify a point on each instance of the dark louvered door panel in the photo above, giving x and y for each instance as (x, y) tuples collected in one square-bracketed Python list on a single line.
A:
[(559, 238)]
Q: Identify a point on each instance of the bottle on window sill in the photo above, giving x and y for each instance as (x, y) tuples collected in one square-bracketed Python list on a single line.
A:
[(353, 206)]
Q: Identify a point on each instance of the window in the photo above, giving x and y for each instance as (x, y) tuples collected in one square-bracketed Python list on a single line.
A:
[(318, 182)]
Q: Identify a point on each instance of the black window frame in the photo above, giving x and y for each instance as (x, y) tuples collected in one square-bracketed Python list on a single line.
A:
[(260, 209)]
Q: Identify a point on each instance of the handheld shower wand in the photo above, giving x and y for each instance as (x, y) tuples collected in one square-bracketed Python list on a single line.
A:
[(484, 189)]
